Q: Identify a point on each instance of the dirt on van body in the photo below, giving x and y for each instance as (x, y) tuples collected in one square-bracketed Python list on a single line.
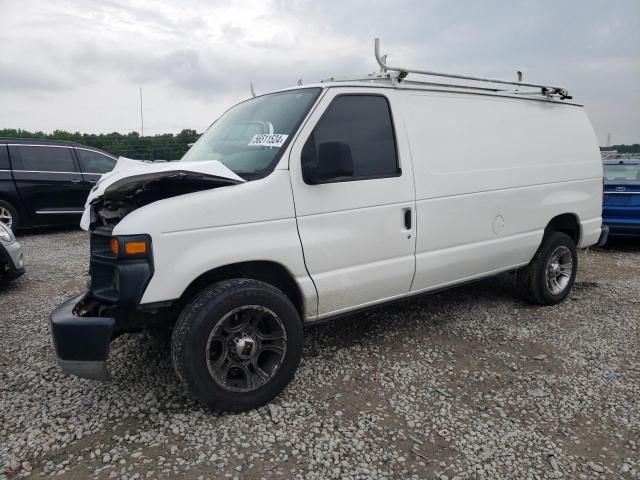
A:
[(464, 384)]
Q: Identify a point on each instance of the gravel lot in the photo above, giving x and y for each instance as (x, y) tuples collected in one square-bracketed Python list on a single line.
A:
[(464, 384)]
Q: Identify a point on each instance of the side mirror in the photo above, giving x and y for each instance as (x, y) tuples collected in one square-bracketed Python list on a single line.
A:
[(333, 162)]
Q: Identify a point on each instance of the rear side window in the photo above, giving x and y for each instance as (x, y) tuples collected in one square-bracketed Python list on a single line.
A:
[(363, 123), (44, 159), (94, 162), (4, 158)]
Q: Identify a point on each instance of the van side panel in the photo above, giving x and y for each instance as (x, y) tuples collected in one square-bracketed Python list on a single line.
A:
[(465, 143), (490, 174), (457, 239)]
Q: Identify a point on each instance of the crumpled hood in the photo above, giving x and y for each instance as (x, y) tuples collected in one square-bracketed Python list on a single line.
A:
[(131, 178)]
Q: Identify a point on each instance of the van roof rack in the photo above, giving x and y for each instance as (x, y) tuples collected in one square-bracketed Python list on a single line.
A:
[(548, 90), (402, 72)]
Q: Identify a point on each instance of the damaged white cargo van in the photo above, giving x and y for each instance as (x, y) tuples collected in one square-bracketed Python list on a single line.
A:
[(312, 202)]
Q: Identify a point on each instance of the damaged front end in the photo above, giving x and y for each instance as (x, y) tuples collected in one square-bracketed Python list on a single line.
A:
[(121, 266), (123, 194)]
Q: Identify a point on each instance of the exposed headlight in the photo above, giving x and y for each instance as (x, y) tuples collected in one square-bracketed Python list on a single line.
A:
[(6, 235)]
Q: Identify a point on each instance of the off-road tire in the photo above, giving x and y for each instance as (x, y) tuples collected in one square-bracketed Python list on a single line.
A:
[(198, 319), (531, 281)]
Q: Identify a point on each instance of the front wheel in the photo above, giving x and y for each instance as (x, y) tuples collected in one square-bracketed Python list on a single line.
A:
[(237, 344), (549, 277)]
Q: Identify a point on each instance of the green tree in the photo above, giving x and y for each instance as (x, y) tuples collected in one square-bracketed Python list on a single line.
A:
[(165, 146)]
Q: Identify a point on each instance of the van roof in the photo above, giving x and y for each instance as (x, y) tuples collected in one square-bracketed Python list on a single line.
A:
[(377, 82), (396, 77)]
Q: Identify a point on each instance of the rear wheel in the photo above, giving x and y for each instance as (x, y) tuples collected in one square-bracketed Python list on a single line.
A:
[(8, 215), (237, 344), (549, 277)]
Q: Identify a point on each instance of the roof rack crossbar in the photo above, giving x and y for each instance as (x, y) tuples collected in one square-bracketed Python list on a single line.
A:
[(545, 89)]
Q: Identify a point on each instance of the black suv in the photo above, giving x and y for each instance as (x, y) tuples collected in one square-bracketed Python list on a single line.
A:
[(46, 182)]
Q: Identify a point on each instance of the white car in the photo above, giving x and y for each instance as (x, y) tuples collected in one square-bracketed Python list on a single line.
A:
[(317, 201)]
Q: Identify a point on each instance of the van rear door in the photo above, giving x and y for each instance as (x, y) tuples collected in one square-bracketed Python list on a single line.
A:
[(354, 199), (49, 182)]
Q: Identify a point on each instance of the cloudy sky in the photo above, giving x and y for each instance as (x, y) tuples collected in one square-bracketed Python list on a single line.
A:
[(78, 64)]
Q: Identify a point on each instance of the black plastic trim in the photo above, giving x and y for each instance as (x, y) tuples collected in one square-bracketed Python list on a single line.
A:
[(131, 273), (623, 229), (604, 235), (77, 338)]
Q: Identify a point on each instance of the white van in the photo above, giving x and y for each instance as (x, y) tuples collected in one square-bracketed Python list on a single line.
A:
[(317, 201)]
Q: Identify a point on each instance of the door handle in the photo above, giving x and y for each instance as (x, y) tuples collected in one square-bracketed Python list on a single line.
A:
[(76, 180), (407, 218)]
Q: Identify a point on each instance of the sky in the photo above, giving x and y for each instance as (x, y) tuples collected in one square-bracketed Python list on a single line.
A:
[(78, 65)]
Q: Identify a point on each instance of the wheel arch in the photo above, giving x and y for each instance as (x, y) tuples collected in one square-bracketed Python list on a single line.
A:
[(266, 271), (568, 223)]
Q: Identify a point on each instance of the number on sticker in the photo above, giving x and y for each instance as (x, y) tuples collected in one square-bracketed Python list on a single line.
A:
[(268, 140)]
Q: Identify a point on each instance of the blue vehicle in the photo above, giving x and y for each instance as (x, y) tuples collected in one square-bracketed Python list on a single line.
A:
[(621, 204)]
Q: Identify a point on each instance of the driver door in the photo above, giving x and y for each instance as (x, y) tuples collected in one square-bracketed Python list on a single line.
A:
[(357, 228)]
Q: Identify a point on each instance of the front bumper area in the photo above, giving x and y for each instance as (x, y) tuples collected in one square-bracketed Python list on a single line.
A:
[(81, 343), (624, 229), (11, 261)]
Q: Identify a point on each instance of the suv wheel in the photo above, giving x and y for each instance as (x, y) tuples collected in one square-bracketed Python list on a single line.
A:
[(237, 344), (549, 277), (8, 215)]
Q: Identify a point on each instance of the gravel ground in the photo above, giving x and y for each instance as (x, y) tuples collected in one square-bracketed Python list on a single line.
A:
[(464, 384)]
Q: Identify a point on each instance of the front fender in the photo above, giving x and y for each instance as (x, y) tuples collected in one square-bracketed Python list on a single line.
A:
[(196, 233)]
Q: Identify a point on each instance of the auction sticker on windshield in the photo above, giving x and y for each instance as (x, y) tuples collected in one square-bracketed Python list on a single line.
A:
[(268, 140)]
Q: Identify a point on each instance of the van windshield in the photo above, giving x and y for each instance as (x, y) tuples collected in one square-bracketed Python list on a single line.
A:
[(250, 137)]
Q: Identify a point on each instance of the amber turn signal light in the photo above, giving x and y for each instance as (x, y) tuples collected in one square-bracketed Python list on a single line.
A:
[(135, 248), (113, 246), (132, 247)]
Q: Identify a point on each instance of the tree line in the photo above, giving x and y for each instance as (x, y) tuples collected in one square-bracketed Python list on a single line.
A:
[(635, 148), (166, 146)]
